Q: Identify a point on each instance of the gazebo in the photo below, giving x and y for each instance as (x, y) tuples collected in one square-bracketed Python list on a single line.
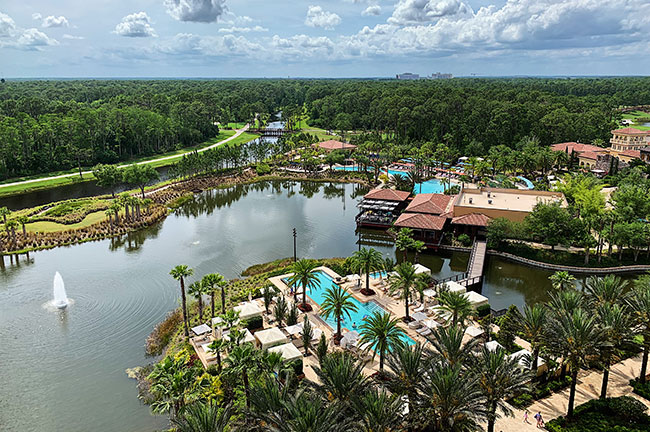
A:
[(419, 268), (288, 351), (270, 337), (476, 299), (249, 310)]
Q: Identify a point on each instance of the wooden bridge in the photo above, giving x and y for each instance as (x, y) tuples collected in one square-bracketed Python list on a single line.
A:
[(273, 132), (473, 277)]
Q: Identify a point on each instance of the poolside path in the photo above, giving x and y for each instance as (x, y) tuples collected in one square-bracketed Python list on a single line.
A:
[(24, 182), (588, 388)]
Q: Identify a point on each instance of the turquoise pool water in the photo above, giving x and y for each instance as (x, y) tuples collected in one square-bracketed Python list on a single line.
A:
[(363, 308), (378, 274), (529, 184), (429, 186)]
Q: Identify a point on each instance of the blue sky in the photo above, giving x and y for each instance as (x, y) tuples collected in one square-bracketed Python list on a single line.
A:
[(316, 38)]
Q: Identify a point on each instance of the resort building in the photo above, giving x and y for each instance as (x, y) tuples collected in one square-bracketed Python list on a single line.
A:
[(331, 145), (381, 207), (645, 154), (427, 215), (407, 76), (629, 139), (586, 154), (512, 204)]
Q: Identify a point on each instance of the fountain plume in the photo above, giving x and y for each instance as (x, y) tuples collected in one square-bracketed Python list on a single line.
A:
[(60, 297)]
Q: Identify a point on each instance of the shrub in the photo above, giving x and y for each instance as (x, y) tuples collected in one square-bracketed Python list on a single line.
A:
[(464, 240), (254, 323), (622, 414), (483, 310), (384, 178), (522, 401), (262, 169), (642, 390)]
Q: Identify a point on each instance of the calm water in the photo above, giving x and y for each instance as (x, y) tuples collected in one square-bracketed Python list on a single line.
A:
[(64, 371)]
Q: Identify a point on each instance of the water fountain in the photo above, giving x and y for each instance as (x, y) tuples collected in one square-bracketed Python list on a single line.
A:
[(60, 297)]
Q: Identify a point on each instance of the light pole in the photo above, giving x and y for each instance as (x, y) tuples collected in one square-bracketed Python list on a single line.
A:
[(294, 246)]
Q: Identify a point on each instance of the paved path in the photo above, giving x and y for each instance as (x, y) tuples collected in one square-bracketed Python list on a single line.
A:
[(239, 132), (588, 388)]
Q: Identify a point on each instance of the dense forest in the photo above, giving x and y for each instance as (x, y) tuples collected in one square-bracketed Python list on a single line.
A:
[(53, 125)]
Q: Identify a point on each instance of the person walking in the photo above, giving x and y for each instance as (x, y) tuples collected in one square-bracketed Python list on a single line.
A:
[(526, 417)]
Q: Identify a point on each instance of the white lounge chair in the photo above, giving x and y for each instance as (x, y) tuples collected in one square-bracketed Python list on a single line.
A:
[(415, 325)]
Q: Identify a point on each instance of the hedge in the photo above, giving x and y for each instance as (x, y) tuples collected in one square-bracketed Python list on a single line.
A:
[(642, 390), (622, 414)]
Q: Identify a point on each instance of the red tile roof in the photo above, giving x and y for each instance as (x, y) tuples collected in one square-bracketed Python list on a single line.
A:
[(335, 145), (631, 153), (630, 131), (421, 221), (436, 204), (475, 219), (577, 147), (588, 155), (387, 195)]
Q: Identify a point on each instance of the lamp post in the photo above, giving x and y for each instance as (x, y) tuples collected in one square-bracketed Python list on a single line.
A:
[(294, 246)]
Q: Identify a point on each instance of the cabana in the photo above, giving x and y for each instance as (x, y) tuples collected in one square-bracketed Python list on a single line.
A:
[(248, 336), (270, 337), (525, 357), (201, 329), (288, 351), (455, 287), (474, 332), (476, 299), (493, 346), (419, 268), (249, 310)]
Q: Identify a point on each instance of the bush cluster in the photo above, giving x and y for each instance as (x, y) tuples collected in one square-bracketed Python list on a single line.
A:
[(622, 414)]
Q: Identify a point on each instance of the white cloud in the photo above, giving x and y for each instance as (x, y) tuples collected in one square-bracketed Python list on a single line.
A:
[(72, 37), (12, 36), (372, 10), (196, 10), (192, 45), (301, 46), (423, 11), (243, 29), (135, 25), (7, 26), (36, 16), (318, 17), (52, 21)]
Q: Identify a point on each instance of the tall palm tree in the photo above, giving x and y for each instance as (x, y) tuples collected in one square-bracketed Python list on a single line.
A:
[(280, 310), (562, 280), (217, 346), (639, 304), (379, 411), (305, 412), (534, 323), (4, 212), (499, 378), (307, 334), (451, 399), (337, 303), (304, 275), (406, 365), (605, 290), (403, 281), (170, 382), (203, 417), (403, 240), (180, 272), (616, 325), (448, 346), (241, 360), (367, 260), (458, 306), (196, 290), (341, 377), (211, 283), (576, 334), (381, 333)]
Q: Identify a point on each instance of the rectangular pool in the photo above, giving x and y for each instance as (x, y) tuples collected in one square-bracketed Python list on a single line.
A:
[(364, 309)]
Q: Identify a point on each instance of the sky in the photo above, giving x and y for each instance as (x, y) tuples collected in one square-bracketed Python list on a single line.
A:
[(318, 38)]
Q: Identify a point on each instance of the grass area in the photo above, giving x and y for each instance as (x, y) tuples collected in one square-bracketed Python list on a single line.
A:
[(50, 183), (639, 118), (47, 226)]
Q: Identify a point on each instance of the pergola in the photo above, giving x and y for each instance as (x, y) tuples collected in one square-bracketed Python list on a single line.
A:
[(249, 310), (288, 351), (270, 337)]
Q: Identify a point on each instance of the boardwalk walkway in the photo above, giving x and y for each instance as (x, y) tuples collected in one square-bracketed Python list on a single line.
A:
[(477, 259)]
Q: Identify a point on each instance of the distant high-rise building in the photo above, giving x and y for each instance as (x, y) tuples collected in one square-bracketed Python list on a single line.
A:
[(407, 76), (439, 75)]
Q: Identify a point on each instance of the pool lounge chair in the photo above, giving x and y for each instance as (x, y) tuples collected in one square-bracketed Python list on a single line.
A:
[(424, 331), (415, 324)]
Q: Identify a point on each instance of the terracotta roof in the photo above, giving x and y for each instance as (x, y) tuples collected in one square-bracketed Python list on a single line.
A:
[(588, 155), (630, 131), (645, 149), (387, 195), (475, 219), (335, 145), (421, 221), (577, 147), (436, 204), (631, 153)]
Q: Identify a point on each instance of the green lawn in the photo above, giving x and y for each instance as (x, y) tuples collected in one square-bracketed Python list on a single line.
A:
[(47, 226), (45, 184), (638, 116)]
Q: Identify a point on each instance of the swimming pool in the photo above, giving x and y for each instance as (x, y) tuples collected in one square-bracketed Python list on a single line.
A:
[(430, 186), (378, 274), (363, 308)]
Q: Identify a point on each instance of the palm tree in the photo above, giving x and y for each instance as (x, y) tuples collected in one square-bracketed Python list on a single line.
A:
[(534, 325), (341, 377), (639, 304), (381, 333), (307, 334), (308, 413), (337, 303), (367, 260), (458, 306), (242, 359), (404, 281), (379, 411), (280, 310), (418, 246), (4, 212), (562, 280), (211, 283), (403, 241), (217, 346), (451, 399), (23, 220), (499, 378), (606, 290), (616, 325), (406, 365), (267, 294), (180, 272), (203, 417), (448, 346), (196, 289), (576, 334), (304, 275), (170, 383)]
